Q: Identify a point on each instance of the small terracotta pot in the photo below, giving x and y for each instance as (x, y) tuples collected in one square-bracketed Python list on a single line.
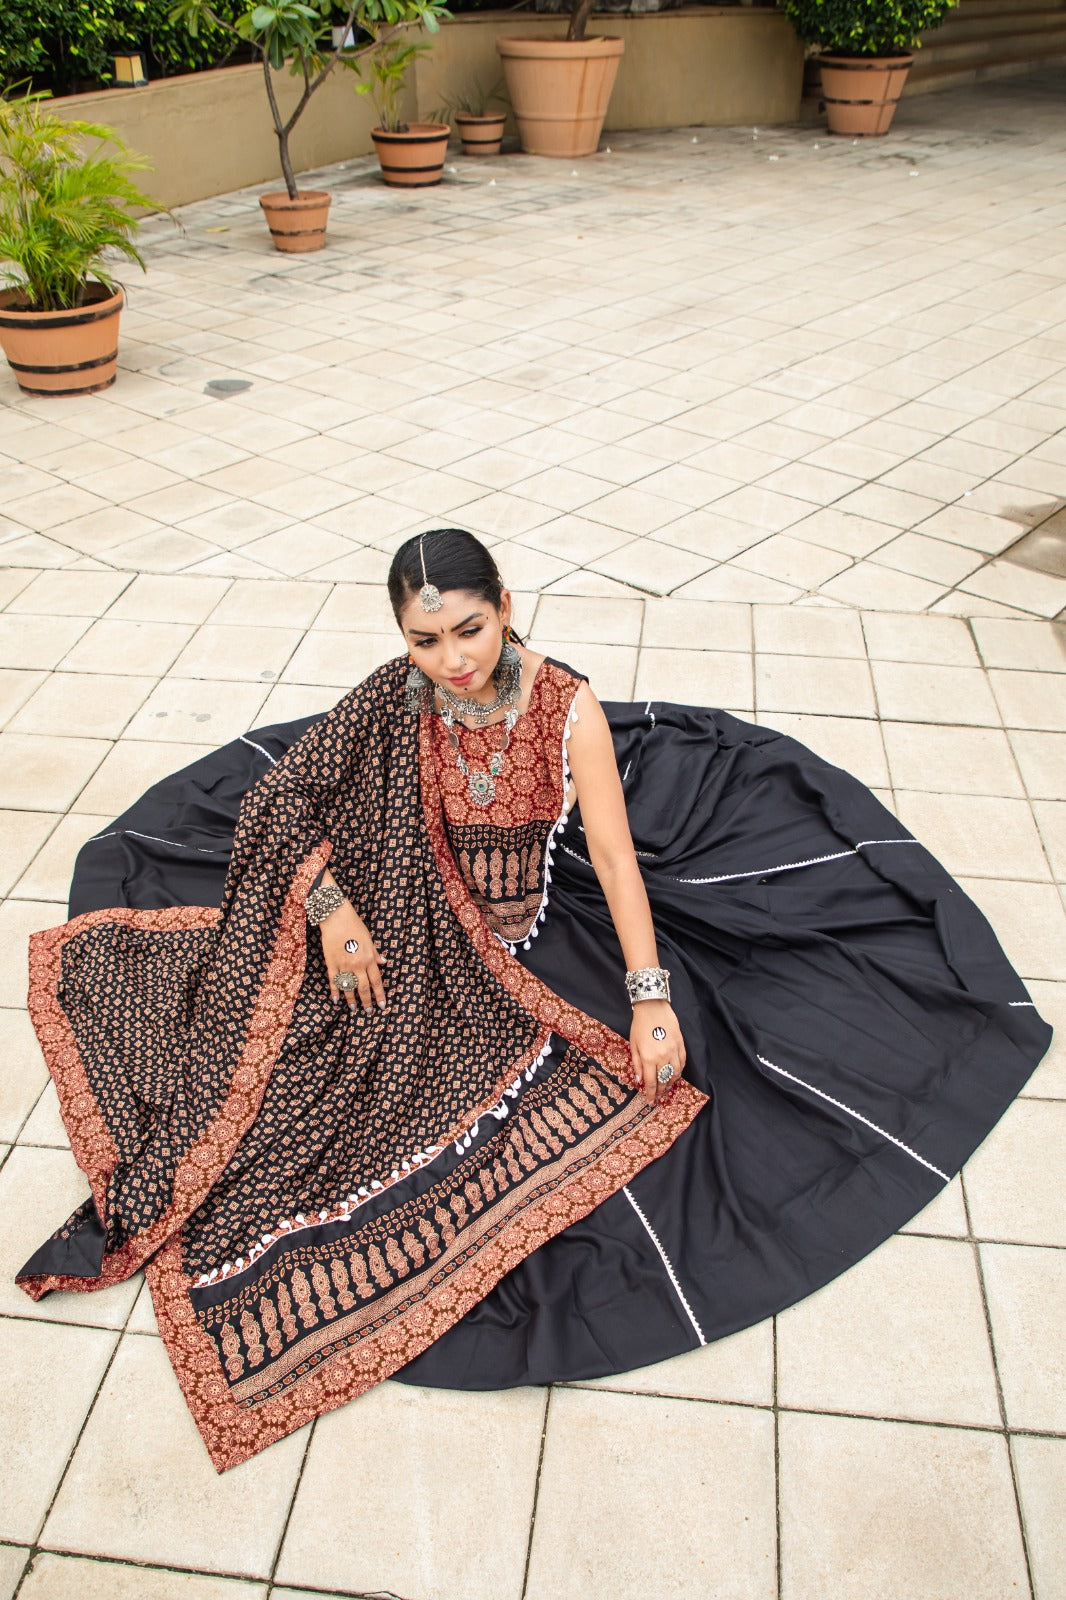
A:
[(62, 352), (861, 92), (481, 136), (300, 224), (560, 89), (413, 159)]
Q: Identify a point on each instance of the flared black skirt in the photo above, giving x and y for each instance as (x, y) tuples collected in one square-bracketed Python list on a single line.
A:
[(845, 1006)]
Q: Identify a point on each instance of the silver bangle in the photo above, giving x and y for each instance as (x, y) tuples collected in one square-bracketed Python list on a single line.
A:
[(322, 902), (649, 983)]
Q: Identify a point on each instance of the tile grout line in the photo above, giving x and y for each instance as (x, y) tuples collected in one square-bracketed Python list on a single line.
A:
[(523, 1594), (291, 1508), (778, 1548)]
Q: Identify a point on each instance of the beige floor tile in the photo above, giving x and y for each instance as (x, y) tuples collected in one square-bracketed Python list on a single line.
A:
[(706, 533), (944, 1216), (356, 608), (55, 1577), (157, 1498), (734, 585), (853, 743), (407, 1529), (739, 1368), (12, 584), (24, 1075), (1030, 699), (37, 642), (976, 529), (1026, 1290), (15, 689), (191, 710), (141, 649), (695, 677), (76, 703), (1049, 1079), (45, 774), (40, 1189), (595, 621), (239, 654), (980, 835), (655, 568), (610, 668), (696, 625), (1051, 820), (41, 1418), (44, 1126), (808, 631), (1040, 1465), (609, 1448), (1029, 921), (876, 588), (762, 508), (74, 594), (330, 658), (935, 559), (929, 756), (142, 1318), (875, 1510), (131, 767), (575, 539), (813, 684), (170, 599), (48, 875), (911, 692), (792, 560), (902, 1334), (1012, 1181), (289, 701), (1019, 586), (13, 1559), (941, 641), (22, 833), (278, 605), (838, 530), (1033, 646), (18, 919)]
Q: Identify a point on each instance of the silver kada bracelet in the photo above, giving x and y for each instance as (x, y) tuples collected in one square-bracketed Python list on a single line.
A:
[(649, 983), (321, 902)]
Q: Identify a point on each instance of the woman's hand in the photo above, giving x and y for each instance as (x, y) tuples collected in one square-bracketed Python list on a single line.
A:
[(652, 1017), (341, 926)]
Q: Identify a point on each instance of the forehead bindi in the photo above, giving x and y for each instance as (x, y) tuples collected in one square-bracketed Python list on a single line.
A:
[(458, 610)]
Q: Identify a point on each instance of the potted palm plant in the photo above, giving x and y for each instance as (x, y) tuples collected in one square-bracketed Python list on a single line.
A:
[(866, 48), (66, 203), (411, 153), (299, 34), (560, 88)]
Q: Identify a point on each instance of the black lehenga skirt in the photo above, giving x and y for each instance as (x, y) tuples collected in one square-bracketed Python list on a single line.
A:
[(845, 1006)]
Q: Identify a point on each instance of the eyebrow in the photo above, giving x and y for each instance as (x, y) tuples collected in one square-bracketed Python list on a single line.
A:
[(427, 633)]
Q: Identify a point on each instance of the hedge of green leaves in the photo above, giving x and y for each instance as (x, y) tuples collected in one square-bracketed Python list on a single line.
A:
[(65, 45), (865, 27)]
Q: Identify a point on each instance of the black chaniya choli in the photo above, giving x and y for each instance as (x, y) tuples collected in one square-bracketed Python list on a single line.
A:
[(468, 1190)]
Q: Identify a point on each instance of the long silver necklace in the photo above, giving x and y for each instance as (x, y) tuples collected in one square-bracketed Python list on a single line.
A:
[(481, 784)]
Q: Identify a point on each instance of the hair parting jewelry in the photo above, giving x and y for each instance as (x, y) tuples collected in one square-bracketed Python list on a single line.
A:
[(429, 595)]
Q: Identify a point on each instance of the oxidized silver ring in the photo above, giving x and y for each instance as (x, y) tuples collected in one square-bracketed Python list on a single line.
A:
[(665, 1073), (656, 1033), (352, 945), (348, 980)]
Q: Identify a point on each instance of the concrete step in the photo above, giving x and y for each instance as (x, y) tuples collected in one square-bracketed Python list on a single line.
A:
[(984, 39)]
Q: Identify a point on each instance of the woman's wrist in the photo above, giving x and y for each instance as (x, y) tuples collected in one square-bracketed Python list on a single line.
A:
[(648, 983)]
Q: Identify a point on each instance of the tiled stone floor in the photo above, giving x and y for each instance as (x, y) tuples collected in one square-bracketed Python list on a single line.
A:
[(753, 418)]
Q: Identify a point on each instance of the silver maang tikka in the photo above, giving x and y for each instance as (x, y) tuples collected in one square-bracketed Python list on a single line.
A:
[(429, 595)]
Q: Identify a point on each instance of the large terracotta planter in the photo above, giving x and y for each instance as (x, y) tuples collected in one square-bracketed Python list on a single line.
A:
[(62, 352), (560, 89), (413, 159), (861, 92), (297, 225), (481, 136)]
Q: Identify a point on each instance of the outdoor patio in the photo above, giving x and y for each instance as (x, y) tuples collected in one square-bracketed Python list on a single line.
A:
[(752, 418)]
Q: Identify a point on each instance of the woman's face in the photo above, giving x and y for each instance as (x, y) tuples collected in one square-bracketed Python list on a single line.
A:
[(459, 645)]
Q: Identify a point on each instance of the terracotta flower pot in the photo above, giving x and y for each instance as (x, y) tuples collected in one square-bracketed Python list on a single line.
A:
[(300, 224), (861, 92), (481, 136), (413, 159), (62, 352), (560, 89)]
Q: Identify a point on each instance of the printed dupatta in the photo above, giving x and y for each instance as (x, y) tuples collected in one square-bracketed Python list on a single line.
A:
[(318, 1196)]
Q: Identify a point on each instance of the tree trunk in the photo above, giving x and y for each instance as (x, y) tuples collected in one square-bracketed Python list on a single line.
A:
[(580, 11)]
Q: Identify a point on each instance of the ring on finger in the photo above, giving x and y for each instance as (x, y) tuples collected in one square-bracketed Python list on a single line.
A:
[(665, 1072), (346, 981)]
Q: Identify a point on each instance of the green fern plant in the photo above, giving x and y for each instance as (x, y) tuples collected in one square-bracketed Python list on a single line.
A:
[(63, 209)]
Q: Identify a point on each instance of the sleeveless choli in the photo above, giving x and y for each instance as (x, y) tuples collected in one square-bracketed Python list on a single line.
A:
[(504, 849)]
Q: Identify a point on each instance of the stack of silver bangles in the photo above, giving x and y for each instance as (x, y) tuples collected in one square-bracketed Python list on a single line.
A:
[(648, 983), (322, 902)]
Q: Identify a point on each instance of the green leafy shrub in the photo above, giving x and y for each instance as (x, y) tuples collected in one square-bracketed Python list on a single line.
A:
[(64, 45), (865, 27), (65, 203)]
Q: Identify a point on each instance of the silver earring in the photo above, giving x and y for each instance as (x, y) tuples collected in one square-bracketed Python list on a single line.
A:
[(418, 689)]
